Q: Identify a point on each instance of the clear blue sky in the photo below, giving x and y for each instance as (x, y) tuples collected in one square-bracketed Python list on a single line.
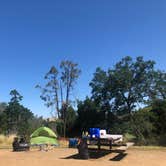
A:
[(35, 35)]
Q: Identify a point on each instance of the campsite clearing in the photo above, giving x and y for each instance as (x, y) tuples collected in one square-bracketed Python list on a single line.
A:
[(65, 157)]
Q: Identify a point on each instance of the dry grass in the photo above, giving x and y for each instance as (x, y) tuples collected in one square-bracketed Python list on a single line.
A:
[(63, 142), (6, 140)]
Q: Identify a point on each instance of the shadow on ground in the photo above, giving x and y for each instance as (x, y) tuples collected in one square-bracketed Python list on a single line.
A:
[(120, 155), (96, 154)]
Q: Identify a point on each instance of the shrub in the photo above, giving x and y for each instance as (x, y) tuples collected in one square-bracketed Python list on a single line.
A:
[(6, 140)]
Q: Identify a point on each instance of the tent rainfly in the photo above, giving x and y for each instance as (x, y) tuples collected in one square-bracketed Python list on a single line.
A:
[(43, 135)]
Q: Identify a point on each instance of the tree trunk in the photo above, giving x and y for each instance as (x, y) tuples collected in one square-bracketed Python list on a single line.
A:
[(64, 121), (64, 129)]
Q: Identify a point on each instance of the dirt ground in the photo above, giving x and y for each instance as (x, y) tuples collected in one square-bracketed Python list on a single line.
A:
[(69, 157)]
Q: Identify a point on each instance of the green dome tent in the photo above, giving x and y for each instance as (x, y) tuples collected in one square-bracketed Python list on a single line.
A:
[(43, 135)]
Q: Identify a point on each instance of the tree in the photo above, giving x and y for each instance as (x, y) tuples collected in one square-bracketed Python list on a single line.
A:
[(125, 86), (128, 86), (17, 116), (3, 119), (58, 87), (50, 92), (70, 120), (12, 111), (89, 115), (32, 124), (100, 93), (142, 126), (158, 87), (3, 106), (159, 110)]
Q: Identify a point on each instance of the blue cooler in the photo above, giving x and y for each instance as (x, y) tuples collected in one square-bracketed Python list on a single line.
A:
[(73, 143), (94, 132)]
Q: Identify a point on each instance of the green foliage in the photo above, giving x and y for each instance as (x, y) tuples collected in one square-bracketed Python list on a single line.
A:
[(15, 96), (70, 118), (158, 89), (149, 124), (142, 126), (51, 124), (3, 117), (129, 137), (159, 111), (125, 86), (16, 119), (59, 127), (3, 122), (17, 115), (99, 90), (35, 122), (87, 114)]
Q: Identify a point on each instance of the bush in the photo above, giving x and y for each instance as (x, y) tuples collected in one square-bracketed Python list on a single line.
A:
[(129, 137), (6, 140), (162, 140)]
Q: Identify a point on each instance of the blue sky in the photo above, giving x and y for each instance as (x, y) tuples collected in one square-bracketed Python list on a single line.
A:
[(36, 34)]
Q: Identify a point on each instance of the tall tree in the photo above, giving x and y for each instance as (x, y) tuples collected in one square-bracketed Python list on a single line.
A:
[(58, 87), (50, 92), (69, 74), (17, 115), (125, 86)]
